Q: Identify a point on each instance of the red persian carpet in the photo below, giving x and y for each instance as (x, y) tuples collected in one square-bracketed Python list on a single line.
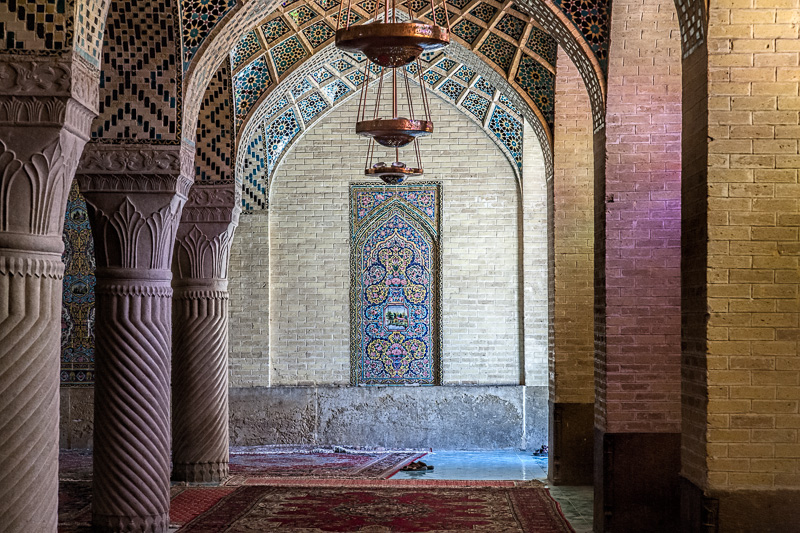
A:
[(521, 509), (264, 464)]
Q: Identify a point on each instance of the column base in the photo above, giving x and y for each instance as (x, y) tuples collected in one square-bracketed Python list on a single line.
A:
[(765, 511), (571, 457), (200, 472), (636, 485), (130, 524)]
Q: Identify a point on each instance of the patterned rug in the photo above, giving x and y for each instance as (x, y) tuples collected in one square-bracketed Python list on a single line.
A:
[(263, 465), (520, 509)]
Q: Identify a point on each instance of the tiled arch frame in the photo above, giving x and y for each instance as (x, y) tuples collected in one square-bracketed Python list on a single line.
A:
[(509, 42), (331, 77)]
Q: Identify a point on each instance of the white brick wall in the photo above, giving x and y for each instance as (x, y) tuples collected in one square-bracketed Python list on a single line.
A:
[(248, 284), (309, 270)]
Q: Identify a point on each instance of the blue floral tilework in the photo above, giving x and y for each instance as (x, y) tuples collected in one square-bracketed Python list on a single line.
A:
[(279, 134), (287, 54), (249, 84), (311, 106), (476, 104), (246, 48), (509, 131), (336, 90)]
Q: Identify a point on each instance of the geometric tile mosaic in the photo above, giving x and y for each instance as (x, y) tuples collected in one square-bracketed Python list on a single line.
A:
[(446, 64), (140, 86), (431, 77), (274, 30), (321, 75), (287, 54), (467, 30), (248, 85), (539, 83), (336, 90), (465, 74), (318, 34), (509, 131), (327, 4), (200, 17), (314, 90), (301, 88), (77, 308), (498, 50), (245, 49), (311, 106), (477, 105), (34, 25), (215, 135), (503, 99), (485, 87), (452, 89), (356, 78), (89, 29), (484, 12), (303, 14), (278, 136), (544, 45), (511, 26), (253, 173), (591, 17)]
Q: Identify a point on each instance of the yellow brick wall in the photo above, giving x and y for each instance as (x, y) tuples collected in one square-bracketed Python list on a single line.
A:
[(573, 165), (753, 359)]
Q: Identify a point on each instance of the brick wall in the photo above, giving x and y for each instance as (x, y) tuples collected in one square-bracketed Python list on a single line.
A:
[(641, 360), (309, 256), (534, 260), (573, 344), (753, 196), (248, 284)]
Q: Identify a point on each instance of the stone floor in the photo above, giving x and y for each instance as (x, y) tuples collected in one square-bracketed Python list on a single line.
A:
[(576, 502)]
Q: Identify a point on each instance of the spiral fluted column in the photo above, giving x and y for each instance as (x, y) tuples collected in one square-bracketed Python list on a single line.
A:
[(200, 335), (46, 108), (134, 195), (200, 378)]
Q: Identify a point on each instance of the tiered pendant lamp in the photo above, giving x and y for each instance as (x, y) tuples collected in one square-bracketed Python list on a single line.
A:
[(393, 45)]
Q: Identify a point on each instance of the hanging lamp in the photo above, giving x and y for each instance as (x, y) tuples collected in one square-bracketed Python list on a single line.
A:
[(390, 43), (409, 121)]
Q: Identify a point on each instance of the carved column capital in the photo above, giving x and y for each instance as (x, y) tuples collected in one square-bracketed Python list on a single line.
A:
[(205, 234), (134, 194), (55, 91)]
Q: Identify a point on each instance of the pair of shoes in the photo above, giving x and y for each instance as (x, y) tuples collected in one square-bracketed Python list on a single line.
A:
[(416, 466)]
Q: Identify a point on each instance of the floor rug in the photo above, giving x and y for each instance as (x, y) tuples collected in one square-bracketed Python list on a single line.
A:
[(264, 468), (521, 509)]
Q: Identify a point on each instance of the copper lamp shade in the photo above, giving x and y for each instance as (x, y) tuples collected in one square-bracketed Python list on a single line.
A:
[(392, 44), (394, 132)]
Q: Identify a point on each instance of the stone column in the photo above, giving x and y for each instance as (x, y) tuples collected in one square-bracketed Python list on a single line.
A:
[(200, 334), (46, 109), (134, 195)]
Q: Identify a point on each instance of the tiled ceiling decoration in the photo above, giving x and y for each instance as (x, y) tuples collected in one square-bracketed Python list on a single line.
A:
[(198, 20), (305, 96), (509, 41)]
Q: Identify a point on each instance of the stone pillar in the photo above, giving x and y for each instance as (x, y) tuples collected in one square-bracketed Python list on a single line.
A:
[(46, 108), (134, 195), (200, 334)]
